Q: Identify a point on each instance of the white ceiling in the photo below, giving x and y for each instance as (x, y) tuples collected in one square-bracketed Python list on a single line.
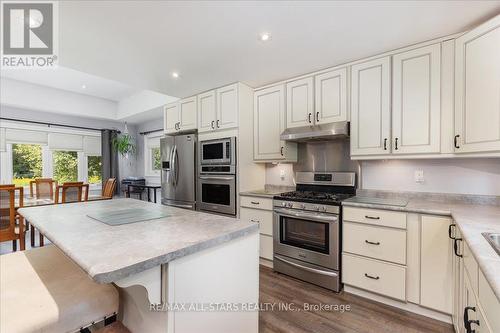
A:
[(72, 80), (210, 44)]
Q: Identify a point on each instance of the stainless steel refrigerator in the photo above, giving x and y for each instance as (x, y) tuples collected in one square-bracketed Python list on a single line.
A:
[(178, 174)]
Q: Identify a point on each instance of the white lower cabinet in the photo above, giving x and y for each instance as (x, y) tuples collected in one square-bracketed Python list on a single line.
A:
[(260, 210)]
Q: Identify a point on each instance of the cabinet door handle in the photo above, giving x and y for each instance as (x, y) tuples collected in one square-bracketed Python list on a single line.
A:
[(372, 243), (385, 144), (254, 202), (372, 217), (281, 150), (449, 230), (467, 321), (455, 141), (309, 117), (212, 124), (455, 247), (317, 117), (372, 277), (176, 124), (396, 144), (218, 123)]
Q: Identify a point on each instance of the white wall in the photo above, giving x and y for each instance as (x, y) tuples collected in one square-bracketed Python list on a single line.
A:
[(142, 101), (36, 97), (463, 176)]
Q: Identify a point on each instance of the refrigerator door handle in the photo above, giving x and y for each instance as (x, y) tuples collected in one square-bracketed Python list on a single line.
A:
[(176, 167), (172, 164)]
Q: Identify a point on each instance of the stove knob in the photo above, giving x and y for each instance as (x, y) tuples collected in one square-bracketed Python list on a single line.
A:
[(323, 208), (302, 206), (283, 204), (316, 208), (290, 205)]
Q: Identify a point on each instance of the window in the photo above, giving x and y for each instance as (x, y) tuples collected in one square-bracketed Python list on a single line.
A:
[(156, 158), (65, 167), (26, 163), (94, 164)]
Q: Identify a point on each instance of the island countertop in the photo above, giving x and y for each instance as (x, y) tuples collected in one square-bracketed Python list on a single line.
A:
[(110, 253)]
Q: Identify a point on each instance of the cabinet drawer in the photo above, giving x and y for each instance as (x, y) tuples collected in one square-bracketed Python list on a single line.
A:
[(375, 276), (256, 202), (266, 247), (471, 268), (375, 242), (263, 217), (490, 304), (375, 217)]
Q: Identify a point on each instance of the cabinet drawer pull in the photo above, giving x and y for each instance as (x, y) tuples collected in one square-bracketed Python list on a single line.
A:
[(455, 247), (455, 141), (372, 277), (254, 202), (449, 231), (256, 221), (372, 217), (373, 243)]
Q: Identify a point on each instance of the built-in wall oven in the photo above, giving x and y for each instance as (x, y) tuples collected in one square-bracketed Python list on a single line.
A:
[(217, 176)]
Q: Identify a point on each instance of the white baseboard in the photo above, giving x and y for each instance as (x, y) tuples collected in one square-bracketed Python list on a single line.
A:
[(266, 262), (415, 308)]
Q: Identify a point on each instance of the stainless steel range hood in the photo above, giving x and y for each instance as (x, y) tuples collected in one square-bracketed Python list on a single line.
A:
[(324, 132)]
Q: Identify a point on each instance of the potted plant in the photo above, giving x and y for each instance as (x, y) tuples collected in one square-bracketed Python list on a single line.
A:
[(124, 144)]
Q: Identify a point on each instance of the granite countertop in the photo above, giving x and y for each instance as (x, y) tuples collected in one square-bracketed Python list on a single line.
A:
[(261, 193), (110, 253), (472, 219)]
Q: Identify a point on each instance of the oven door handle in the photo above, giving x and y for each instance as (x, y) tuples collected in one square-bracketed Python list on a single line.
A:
[(305, 268), (216, 178), (304, 215)]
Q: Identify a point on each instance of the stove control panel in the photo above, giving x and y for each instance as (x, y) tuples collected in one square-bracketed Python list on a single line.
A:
[(307, 206)]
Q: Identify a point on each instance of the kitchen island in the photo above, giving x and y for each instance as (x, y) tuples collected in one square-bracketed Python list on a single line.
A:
[(198, 272)]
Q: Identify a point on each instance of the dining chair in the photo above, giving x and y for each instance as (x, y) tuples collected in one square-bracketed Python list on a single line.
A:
[(109, 188), (11, 224), (45, 188), (72, 192)]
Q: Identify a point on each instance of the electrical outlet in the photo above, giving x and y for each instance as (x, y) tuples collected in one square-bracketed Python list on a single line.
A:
[(419, 176), (282, 174)]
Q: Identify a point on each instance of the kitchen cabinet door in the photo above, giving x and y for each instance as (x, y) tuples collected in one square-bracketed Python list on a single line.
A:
[(416, 101), (227, 107), (171, 117), (477, 89), (299, 103), (331, 96), (187, 114), (269, 122), (435, 264), (206, 111), (371, 107)]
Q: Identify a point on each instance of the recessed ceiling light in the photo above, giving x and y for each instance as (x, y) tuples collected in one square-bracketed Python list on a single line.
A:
[(175, 75), (84, 86), (265, 37)]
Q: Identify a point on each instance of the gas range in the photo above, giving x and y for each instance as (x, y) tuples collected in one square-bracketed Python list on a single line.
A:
[(306, 227)]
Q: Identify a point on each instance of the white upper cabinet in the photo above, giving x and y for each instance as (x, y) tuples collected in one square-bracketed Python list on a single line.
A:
[(269, 122), (187, 114), (370, 107), (180, 115), (416, 102), (206, 111), (300, 103), (331, 96), (477, 89), (227, 107), (171, 117)]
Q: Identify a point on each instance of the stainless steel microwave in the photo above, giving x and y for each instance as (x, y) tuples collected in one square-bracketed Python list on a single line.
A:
[(219, 151)]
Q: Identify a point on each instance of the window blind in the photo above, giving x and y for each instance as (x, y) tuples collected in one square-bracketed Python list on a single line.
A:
[(92, 145), (62, 141), (13, 135), (2, 140)]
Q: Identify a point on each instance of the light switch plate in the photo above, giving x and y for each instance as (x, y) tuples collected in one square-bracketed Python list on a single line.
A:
[(419, 176), (282, 174)]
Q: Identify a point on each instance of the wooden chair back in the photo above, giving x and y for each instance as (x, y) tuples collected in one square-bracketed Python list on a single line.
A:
[(45, 188), (8, 212), (72, 192), (109, 188)]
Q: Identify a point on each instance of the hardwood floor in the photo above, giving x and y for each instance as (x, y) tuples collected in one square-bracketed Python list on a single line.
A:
[(364, 316)]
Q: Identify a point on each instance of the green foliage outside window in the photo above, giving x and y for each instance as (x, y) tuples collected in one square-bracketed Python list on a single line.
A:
[(26, 163), (94, 169), (156, 156), (65, 166)]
